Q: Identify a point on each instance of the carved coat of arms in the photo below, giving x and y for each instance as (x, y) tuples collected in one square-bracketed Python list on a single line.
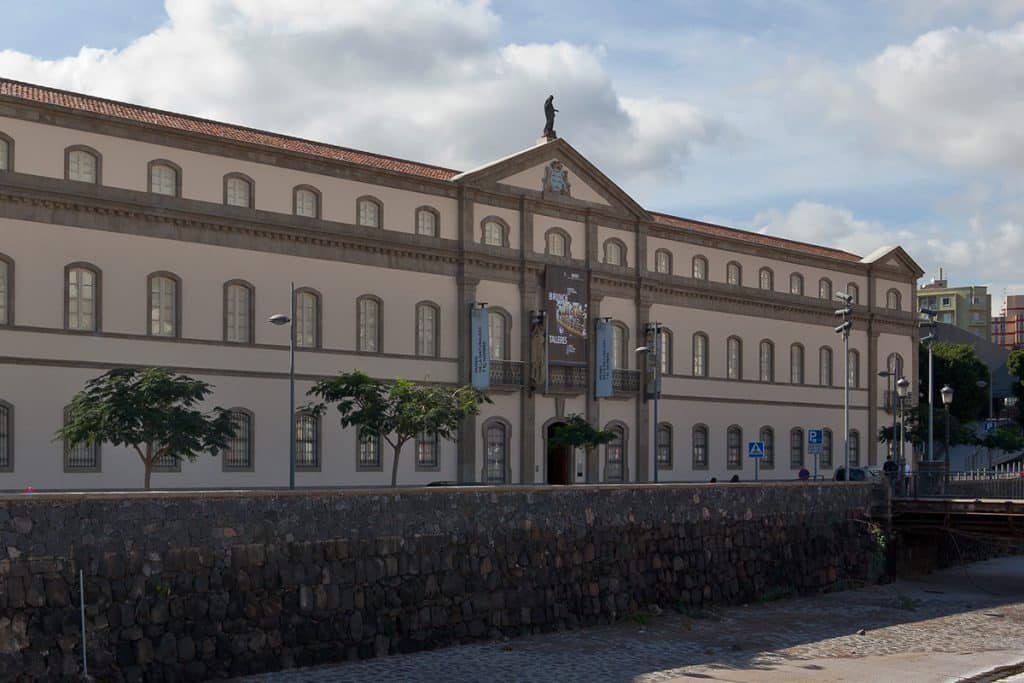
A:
[(556, 178)]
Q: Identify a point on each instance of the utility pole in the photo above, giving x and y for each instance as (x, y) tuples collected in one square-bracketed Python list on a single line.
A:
[(930, 325), (844, 329)]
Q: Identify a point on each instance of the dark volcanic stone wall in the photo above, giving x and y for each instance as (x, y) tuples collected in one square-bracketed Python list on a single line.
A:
[(204, 585)]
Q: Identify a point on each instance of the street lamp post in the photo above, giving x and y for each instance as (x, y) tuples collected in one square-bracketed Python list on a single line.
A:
[(930, 339), (656, 343), (844, 329), (902, 388), (890, 378), (289, 320), (947, 400)]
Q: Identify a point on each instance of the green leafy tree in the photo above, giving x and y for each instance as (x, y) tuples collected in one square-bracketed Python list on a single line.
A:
[(397, 411), (1015, 365), (576, 432), (958, 366), (151, 410)]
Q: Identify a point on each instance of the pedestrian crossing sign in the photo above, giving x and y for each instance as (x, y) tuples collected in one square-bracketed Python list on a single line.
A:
[(755, 449)]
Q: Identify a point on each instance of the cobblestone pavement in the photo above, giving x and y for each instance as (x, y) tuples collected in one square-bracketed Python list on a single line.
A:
[(946, 626)]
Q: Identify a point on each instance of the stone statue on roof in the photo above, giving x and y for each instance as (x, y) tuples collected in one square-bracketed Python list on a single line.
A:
[(549, 118)]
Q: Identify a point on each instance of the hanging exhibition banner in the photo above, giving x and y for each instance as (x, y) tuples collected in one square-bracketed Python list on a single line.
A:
[(566, 300), (603, 365), (480, 361)]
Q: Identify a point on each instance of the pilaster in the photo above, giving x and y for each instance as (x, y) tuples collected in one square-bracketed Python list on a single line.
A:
[(527, 302), (869, 441), (643, 421)]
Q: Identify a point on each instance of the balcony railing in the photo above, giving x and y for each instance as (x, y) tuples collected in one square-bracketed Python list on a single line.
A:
[(567, 378), (625, 381), (506, 374)]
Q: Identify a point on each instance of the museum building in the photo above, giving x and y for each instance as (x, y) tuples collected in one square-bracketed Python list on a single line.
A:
[(133, 236)]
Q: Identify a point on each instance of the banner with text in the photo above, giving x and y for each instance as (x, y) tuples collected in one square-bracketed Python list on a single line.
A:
[(603, 364), (566, 301), (480, 361)]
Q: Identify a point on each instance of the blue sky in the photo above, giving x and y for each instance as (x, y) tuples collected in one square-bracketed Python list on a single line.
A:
[(853, 124)]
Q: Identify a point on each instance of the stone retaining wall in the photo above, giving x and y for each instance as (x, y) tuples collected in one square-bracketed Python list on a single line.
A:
[(203, 585)]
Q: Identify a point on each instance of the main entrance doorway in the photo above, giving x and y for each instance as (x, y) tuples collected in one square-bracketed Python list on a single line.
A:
[(559, 459)]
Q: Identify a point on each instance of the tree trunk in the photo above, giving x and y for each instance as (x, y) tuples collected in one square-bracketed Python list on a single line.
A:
[(149, 470), (394, 466)]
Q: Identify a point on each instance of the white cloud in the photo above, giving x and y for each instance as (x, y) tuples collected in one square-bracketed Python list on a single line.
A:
[(427, 80), (951, 96)]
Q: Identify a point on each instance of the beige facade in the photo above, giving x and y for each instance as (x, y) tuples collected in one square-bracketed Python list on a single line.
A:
[(232, 217)]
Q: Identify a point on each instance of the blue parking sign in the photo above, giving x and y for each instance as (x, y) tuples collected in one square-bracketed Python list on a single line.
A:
[(815, 438)]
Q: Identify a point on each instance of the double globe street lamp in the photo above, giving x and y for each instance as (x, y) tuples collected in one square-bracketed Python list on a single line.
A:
[(281, 319)]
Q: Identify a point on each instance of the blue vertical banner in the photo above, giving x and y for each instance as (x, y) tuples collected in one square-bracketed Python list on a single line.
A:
[(480, 361), (603, 366)]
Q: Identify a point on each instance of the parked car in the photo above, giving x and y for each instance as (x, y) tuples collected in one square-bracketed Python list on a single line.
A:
[(859, 474)]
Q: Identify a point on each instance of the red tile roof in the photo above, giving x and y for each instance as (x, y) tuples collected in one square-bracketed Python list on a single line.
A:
[(754, 237), (195, 125)]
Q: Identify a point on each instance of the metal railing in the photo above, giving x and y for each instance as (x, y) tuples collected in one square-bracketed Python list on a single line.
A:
[(1002, 481), (567, 378), (506, 373), (625, 381)]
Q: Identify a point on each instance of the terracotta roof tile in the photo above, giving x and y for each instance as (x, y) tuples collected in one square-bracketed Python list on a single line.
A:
[(195, 125), (753, 237)]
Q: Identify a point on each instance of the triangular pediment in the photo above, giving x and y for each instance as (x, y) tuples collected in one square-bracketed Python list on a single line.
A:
[(894, 259), (554, 171)]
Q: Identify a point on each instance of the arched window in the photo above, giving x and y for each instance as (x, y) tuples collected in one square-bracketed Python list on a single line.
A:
[(700, 355), (767, 435), (734, 273), (6, 153), (238, 312), (734, 448), (796, 448), (367, 451), (368, 325), (892, 300), (307, 441), (369, 212), (496, 438), (237, 457), (82, 297), (498, 333), (665, 351), (826, 449), (307, 318), (825, 289), (620, 341), (6, 290), (825, 366), (427, 329), (700, 268), (82, 164), (734, 358), (663, 261), (664, 447), (766, 279), (766, 362), (164, 305), (854, 369), (165, 178), (854, 448), (427, 451), (238, 190), (85, 457), (894, 364), (6, 437), (494, 232), (614, 252), (306, 201), (427, 220), (700, 447), (615, 455), (556, 242), (796, 364), (796, 284), (854, 291)]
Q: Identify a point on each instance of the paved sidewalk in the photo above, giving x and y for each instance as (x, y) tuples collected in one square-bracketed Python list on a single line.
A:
[(945, 627)]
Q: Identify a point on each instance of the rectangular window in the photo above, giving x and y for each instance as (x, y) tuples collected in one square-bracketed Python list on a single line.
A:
[(426, 330), (495, 449), (733, 453), (426, 224), (496, 335), (796, 449), (613, 465), (369, 325), (306, 319), (4, 156), (6, 448), (826, 449), (163, 180), (163, 307), (368, 214), (854, 449), (307, 441), (81, 299), (3, 293), (664, 447), (237, 311), (305, 203), (700, 448), (733, 359), (238, 454), (700, 356), (166, 463), (796, 364), (238, 192), (427, 451), (945, 301), (369, 451), (85, 457), (82, 166)]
